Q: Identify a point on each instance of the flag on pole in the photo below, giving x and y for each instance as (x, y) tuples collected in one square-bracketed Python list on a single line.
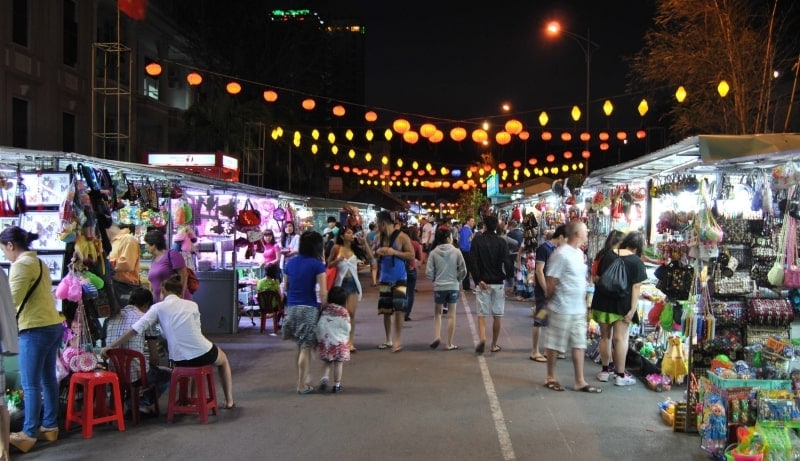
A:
[(135, 9)]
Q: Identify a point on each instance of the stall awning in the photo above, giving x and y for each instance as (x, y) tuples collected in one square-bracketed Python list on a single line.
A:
[(319, 203), (378, 197), (743, 148), (681, 155)]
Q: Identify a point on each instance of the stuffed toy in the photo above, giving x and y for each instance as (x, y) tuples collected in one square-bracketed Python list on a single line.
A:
[(673, 364), (184, 239)]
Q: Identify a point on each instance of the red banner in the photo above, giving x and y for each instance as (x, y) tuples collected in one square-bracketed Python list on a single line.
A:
[(135, 9)]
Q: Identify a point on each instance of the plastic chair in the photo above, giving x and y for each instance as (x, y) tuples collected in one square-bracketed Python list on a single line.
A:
[(122, 363), (270, 302), (205, 393), (94, 409)]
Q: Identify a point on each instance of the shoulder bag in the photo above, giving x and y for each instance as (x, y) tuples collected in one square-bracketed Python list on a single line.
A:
[(30, 290), (614, 280), (192, 282)]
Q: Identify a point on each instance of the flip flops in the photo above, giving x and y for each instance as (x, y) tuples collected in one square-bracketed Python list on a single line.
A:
[(385, 346), (435, 344), (554, 386), (480, 347), (538, 358), (497, 348), (590, 389), (452, 347)]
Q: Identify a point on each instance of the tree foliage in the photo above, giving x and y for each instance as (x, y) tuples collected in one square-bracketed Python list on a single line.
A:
[(469, 202), (698, 43)]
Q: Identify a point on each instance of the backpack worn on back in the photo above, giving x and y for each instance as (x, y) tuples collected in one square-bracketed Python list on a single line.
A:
[(614, 280)]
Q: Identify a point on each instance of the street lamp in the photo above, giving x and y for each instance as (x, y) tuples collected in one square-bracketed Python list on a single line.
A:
[(587, 45)]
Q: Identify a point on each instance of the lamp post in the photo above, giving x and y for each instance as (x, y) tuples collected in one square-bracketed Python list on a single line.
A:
[(587, 45)]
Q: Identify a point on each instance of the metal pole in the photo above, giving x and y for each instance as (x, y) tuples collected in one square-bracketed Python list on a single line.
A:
[(588, 80)]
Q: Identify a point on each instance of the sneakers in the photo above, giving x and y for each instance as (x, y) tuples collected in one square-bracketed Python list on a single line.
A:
[(624, 380), (444, 310), (603, 376), (336, 388), (323, 384)]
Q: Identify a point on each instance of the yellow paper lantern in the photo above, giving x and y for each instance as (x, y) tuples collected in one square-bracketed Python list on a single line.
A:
[(368, 157), (351, 153), (194, 79), (348, 134), (576, 113), (401, 125), (643, 108), (331, 137), (314, 149), (608, 108), (513, 126), (270, 96), (233, 88), (543, 118), (388, 134), (458, 134), (309, 104), (680, 94), (369, 135), (723, 88), (315, 134), (427, 130)]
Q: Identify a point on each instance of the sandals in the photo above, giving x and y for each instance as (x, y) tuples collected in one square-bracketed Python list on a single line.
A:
[(435, 344), (554, 386), (497, 348), (306, 391), (384, 346), (452, 347), (538, 358), (590, 389), (229, 407), (479, 348)]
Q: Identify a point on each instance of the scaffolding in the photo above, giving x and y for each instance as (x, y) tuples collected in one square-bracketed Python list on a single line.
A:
[(254, 154), (112, 100)]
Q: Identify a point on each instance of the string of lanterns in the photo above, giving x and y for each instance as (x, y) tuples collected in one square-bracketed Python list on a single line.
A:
[(458, 131)]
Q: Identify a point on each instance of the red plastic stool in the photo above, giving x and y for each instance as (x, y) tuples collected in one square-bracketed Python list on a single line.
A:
[(205, 394), (94, 409)]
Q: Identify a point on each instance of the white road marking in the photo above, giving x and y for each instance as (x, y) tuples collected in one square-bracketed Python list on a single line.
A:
[(494, 403)]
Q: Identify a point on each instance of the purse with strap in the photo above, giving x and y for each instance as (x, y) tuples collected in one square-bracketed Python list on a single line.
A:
[(30, 290), (192, 282)]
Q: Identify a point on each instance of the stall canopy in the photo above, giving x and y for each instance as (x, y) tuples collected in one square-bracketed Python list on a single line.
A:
[(743, 148), (679, 156)]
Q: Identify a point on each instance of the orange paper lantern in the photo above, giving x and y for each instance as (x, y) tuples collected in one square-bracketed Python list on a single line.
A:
[(153, 69), (458, 134), (533, 161), (401, 125), (586, 154), (502, 138), (194, 79), (427, 130), (585, 137), (338, 110), (411, 137), (480, 135), (524, 135), (546, 135), (550, 158), (270, 96), (370, 116), (309, 104), (567, 155), (513, 126), (437, 136), (603, 136), (233, 88), (641, 134), (566, 136)]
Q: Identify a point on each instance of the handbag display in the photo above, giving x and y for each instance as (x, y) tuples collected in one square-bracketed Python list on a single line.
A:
[(675, 280), (248, 217), (769, 312), (728, 313), (791, 272)]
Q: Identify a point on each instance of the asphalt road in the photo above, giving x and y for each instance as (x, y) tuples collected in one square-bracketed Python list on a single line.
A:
[(417, 404)]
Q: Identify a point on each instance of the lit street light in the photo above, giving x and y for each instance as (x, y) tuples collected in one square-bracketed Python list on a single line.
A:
[(587, 45)]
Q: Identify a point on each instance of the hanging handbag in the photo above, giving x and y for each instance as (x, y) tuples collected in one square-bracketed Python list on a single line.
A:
[(775, 275), (248, 216), (770, 312)]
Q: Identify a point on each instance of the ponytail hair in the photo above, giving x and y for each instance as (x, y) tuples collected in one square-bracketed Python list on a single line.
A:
[(18, 236), (173, 285)]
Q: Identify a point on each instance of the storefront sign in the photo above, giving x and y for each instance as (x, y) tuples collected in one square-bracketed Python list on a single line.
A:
[(184, 159)]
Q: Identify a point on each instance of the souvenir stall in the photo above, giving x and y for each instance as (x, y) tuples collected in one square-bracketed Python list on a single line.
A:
[(722, 230), (199, 215)]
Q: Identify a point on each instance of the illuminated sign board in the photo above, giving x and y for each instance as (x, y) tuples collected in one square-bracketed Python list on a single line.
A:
[(492, 185), (230, 162), (182, 159)]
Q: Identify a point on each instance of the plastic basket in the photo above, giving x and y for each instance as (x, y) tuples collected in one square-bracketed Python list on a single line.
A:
[(759, 383)]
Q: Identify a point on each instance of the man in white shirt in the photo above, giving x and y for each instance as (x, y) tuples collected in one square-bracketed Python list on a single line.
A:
[(566, 276), (426, 239)]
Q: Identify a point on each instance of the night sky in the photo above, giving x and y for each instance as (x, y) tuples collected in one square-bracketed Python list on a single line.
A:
[(446, 61)]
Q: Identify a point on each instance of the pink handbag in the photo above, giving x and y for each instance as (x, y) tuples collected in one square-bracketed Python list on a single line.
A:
[(791, 275)]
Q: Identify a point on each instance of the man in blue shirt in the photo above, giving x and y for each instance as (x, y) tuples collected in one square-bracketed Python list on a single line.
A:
[(465, 245)]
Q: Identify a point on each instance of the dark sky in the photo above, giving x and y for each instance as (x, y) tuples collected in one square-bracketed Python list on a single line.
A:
[(446, 59)]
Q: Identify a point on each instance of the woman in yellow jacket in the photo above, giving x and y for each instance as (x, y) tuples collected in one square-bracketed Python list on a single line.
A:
[(40, 334)]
